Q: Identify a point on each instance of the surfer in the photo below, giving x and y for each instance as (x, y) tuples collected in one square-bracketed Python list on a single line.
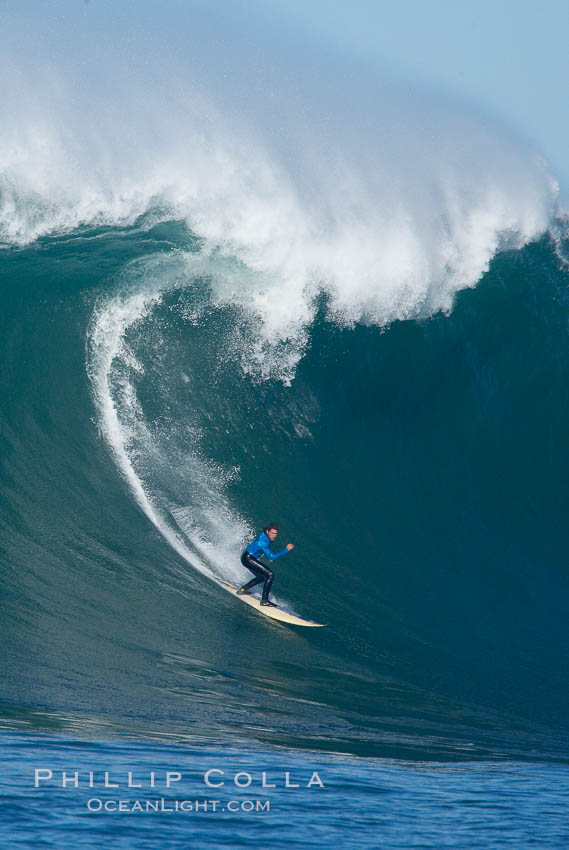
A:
[(250, 559)]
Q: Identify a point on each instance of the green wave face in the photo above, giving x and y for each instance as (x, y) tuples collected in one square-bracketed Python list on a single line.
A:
[(152, 423)]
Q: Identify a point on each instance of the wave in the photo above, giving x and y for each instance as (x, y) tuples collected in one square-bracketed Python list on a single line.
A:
[(111, 365), (369, 202), (420, 471), (231, 250), (332, 179)]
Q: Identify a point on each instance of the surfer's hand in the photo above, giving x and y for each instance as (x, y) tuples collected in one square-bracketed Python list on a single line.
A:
[(290, 546)]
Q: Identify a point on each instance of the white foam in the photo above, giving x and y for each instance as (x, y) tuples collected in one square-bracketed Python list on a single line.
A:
[(319, 178), (209, 536), (300, 178)]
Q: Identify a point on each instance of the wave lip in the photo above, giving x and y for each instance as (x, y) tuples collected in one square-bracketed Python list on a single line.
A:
[(206, 534), (332, 180)]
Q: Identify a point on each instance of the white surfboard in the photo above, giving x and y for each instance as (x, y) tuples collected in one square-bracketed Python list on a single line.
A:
[(268, 611)]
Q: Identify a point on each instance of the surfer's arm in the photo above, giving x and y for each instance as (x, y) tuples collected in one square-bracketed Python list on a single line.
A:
[(271, 555)]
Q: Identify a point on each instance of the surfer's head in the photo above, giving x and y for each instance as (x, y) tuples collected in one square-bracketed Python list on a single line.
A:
[(271, 530)]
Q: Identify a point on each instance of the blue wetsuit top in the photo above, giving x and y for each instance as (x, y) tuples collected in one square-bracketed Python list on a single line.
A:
[(261, 546)]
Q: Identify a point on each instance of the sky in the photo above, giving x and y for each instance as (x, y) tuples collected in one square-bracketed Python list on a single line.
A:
[(511, 57)]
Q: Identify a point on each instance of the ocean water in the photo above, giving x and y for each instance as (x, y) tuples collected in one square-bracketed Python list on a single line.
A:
[(250, 297)]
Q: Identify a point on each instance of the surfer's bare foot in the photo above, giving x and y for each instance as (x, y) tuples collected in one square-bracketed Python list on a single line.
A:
[(267, 602)]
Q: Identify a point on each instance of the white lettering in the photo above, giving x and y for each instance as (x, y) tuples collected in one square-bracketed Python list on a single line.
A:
[(172, 776), (109, 784), (265, 783), (207, 778), (248, 779), (315, 780), (288, 783), (73, 779), (132, 784), (42, 774)]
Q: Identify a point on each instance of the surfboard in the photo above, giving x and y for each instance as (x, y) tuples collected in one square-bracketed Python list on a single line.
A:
[(274, 613)]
